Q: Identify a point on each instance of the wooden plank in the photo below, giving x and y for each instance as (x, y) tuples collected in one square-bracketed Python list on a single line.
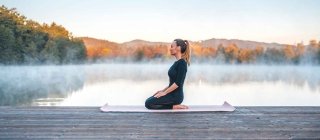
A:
[(89, 123)]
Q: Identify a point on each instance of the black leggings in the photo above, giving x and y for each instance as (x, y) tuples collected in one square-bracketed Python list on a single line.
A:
[(164, 102)]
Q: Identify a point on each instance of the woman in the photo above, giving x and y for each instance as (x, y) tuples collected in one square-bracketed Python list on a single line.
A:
[(171, 97)]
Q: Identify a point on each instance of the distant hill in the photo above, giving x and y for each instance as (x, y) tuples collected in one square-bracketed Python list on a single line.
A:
[(211, 50), (105, 48), (90, 42), (240, 43), (139, 42), (97, 48)]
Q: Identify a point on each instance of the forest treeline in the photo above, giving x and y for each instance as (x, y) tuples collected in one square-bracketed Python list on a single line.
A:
[(285, 54), (24, 41), (206, 51)]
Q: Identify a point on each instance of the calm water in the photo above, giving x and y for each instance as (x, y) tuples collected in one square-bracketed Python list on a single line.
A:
[(131, 84)]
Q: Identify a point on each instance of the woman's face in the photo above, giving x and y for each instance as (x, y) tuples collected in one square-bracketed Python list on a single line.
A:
[(174, 48)]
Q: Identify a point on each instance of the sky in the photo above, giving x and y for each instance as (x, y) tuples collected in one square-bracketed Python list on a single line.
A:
[(281, 21)]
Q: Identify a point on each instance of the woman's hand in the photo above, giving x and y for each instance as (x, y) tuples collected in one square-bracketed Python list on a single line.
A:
[(160, 94), (157, 92)]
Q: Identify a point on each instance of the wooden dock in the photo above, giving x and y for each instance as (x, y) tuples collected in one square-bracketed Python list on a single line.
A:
[(90, 123)]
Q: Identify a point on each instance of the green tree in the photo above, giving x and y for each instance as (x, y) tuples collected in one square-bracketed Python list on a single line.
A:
[(24, 41), (49, 54), (7, 42)]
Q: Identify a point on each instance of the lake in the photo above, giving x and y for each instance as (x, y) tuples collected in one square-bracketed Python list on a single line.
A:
[(131, 84)]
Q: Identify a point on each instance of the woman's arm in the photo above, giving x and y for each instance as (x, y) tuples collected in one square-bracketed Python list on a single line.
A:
[(165, 88), (171, 88), (166, 91), (161, 90)]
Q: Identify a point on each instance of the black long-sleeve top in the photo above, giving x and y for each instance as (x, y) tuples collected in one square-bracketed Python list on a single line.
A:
[(177, 74)]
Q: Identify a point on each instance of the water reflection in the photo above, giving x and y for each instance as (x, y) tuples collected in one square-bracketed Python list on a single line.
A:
[(127, 92), (131, 84), (21, 85)]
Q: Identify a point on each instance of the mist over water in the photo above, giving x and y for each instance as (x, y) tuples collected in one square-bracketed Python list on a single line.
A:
[(131, 84)]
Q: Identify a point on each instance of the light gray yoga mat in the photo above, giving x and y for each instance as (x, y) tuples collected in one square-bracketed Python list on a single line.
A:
[(192, 108)]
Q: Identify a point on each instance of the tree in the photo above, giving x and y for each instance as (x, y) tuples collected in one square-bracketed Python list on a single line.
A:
[(55, 31), (289, 52), (7, 42), (220, 55), (24, 41), (231, 53), (245, 55), (313, 43), (274, 55), (31, 54), (50, 53), (139, 55)]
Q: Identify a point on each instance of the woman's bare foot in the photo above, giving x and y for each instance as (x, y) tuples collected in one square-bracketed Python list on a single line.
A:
[(180, 107)]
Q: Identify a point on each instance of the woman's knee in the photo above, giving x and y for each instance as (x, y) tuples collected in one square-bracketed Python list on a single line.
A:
[(148, 103)]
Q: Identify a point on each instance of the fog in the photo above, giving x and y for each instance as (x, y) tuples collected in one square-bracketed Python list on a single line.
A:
[(131, 84)]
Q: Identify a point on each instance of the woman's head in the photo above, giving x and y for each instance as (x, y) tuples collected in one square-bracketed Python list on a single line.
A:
[(182, 47)]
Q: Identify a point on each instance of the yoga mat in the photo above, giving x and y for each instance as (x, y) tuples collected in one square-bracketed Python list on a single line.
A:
[(192, 108)]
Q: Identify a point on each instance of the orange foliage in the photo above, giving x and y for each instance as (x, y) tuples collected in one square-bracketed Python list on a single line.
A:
[(245, 55), (289, 52)]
